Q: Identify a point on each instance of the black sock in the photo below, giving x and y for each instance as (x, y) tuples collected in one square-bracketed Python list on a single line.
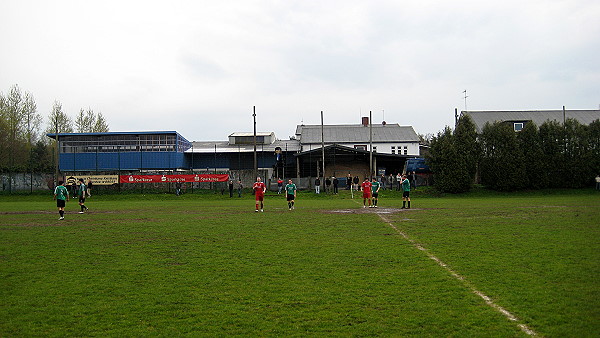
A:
[(404, 204), (82, 206), (289, 205), (409, 204), (61, 213)]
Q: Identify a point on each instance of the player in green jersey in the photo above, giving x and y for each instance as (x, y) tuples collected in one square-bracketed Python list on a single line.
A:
[(290, 191), (81, 193), (61, 195), (375, 186)]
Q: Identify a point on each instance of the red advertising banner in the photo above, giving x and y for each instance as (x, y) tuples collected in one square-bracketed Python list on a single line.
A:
[(173, 178)]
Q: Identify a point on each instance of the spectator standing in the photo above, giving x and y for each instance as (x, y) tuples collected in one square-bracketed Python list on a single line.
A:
[(327, 185), (317, 186), (74, 188), (279, 185), (89, 188), (399, 181), (390, 181), (335, 185), (240, 187), (413, 180), (230, 188), (348, 181)]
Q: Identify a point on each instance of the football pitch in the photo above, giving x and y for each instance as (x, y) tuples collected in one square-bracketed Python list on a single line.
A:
[(480, 264)]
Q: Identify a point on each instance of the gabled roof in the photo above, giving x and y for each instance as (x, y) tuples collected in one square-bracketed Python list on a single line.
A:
[(353, 133), (480, 118)]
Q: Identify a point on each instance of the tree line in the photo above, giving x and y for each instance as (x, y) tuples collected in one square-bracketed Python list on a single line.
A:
[(553, 155), (24, 146)]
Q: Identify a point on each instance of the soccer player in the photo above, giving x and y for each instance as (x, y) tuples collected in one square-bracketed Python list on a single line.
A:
[(259, 193), (290, 190), (81, 194), (61, 195), (375, 186), (405, 192), (366, 189)]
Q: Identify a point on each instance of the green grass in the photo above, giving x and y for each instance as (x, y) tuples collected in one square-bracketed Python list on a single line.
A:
[(207, 265)]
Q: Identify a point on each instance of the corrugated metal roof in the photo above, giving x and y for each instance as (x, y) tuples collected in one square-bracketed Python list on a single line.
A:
[(356, 133), (480, 118), (225, 147)]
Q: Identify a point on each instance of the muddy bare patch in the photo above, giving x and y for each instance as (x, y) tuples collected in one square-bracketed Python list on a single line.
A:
[(376, 211)]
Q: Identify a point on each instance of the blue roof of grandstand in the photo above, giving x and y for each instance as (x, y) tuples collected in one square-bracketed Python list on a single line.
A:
[(53, 135)]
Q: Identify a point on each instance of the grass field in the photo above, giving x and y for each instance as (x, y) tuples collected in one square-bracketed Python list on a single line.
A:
[(207, 265)]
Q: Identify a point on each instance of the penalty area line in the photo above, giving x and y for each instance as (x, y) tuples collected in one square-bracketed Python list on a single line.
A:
[(462, 279)]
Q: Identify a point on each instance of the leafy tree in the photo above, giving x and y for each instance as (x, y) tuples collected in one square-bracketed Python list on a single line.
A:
[(529, 142), (84, 122), (447, 165), (467, 146), (594, 148), (551, 139), (502, 165), (58, 121), (88, 122), (576, 154), (100, 126), (14, 107)]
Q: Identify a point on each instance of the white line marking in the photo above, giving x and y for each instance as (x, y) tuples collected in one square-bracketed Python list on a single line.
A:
[(466, 283)]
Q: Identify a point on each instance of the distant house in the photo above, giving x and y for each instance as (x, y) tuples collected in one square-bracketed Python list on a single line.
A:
[(348, 148), (519, 118), (386, 138)]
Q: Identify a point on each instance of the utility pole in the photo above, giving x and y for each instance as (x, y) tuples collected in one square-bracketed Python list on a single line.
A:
[(455, 117), (465, 92), (370, 145), (322, 148), (255, 162)]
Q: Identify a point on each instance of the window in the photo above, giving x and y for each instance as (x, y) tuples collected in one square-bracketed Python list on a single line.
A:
[(375, 149), (518, 126), (361, 147), (393, 150), (405, 150)]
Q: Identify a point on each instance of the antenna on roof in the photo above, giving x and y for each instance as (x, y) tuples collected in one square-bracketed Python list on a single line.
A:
[(465, 92)]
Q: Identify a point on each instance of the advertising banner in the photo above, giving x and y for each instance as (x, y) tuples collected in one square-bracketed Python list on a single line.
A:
[(205, 178), (96, 179)]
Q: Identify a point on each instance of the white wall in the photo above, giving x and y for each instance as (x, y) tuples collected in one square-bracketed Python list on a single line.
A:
[(385, 148)]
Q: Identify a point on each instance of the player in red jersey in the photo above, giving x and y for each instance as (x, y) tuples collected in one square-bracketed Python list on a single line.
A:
[(366, 189), (259, 193)]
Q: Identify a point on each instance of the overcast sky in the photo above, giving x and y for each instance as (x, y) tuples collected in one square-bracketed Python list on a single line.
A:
[(198, 67)]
